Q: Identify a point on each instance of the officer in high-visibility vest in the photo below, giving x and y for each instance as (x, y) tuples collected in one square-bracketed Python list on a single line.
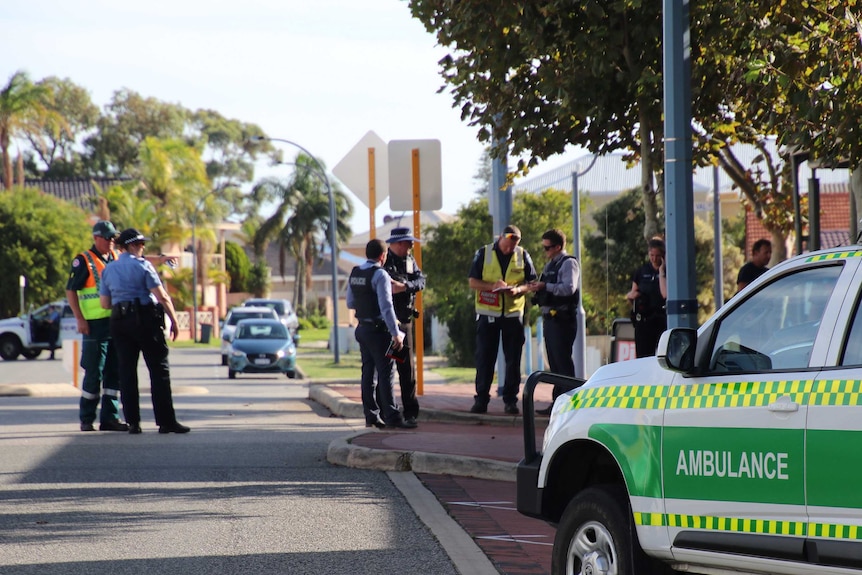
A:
[(98, 358), (499, 274)]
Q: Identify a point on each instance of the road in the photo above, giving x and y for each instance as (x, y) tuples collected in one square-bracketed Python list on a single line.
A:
[(247, 491)]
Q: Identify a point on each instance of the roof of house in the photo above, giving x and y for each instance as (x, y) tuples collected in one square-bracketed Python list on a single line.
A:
[(834, 218), (79, 191)]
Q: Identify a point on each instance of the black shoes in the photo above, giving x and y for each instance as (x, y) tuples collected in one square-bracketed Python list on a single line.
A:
[(174, 428), (479, 408), (115, 425), (378, 424), (135, 428), (511, 409), (546, 411), (87, 427), (411, 420), (402, 424)]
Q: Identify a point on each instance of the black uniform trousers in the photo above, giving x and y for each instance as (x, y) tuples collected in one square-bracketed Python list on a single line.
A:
[(647, 333), (407, 375), (559, 333), (378, 399), (489, 331), (136, 333)]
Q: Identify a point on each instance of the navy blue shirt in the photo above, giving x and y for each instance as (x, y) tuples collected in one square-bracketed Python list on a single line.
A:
[(130, 279)]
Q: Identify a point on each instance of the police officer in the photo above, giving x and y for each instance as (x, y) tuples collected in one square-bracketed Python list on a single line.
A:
[(98, 357), (557, 295), (498, 275), (407, 280), (648, 298), (370, 294), (133, 292)]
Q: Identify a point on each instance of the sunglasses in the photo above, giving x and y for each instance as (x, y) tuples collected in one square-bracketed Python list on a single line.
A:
[(547, 248), (513, 237)]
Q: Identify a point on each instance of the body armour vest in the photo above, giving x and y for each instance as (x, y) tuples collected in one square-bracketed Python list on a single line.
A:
[(551, 275), (367, 306), (400, 269)]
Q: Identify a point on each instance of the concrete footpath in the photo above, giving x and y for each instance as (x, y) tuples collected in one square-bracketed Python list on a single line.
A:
[(449, 440)]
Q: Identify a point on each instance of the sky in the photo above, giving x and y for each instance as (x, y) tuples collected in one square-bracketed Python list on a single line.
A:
[(320, 73)]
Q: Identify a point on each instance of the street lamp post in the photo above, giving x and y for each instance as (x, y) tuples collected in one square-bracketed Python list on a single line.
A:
[(333, 242), (194, 322)]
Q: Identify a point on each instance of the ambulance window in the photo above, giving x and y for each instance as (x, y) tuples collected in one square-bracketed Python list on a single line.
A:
[(852, 354), (775, 328)]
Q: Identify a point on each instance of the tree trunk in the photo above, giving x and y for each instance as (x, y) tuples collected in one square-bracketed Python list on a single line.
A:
[(651, 227)]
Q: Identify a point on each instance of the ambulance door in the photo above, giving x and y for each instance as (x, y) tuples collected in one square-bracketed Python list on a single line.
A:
[(834, 444), (733, 445)]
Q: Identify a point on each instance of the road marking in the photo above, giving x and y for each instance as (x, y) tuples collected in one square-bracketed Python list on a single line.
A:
[(488, 504), (518, 539)]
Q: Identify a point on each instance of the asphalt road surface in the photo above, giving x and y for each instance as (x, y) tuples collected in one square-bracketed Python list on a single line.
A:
[(247, 491)]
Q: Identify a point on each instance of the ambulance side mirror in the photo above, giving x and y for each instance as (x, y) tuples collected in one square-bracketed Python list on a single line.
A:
[(675, 349)]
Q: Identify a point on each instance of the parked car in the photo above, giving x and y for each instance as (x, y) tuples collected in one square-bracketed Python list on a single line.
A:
[(730, 451), (30, 333), (230, 321), (282, 307), (261, 346)]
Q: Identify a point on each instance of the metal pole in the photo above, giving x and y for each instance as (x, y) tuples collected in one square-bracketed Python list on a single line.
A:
[(22, 283), (679, 204), (333, 238), (718, 265), (580, 345)]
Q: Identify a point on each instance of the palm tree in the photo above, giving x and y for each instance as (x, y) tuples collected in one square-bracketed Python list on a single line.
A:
[(301, 221), (22, 105)]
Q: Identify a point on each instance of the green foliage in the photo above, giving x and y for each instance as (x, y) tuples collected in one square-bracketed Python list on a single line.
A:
[(615, 252), (40, 236), (259, 279), (179, 282), (447, 256), (238, 266)]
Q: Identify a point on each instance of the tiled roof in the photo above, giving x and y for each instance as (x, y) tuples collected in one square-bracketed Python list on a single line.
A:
[(79, 191), (834, 218)]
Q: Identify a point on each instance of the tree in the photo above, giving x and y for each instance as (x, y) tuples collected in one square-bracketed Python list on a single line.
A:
[(40, 235), (300, 223), (541, 75), (23, 105), (55, 137), (238, 266), (614, 254), (128, 120)]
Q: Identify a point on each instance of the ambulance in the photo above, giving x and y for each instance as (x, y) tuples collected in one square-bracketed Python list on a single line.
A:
[(736, 449), (29, 334)]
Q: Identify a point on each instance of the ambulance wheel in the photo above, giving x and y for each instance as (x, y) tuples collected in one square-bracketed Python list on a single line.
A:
[(595, 535), (10, 347)]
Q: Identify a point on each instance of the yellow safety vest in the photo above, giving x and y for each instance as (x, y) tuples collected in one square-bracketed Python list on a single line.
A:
[(501, 303), (88, 296)]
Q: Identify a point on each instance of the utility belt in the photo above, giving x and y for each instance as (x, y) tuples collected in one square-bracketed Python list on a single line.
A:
[(377, 324), (135, 309), (563, 315)]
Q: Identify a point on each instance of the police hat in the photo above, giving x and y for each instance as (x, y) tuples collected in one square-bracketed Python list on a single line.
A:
[(131, 236), (401, 235), (105, 229)]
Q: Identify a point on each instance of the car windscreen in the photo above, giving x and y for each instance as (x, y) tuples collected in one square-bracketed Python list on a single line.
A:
[(236, 316), (262, 331)]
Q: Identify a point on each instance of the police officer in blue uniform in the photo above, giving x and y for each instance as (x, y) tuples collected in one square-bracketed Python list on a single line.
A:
[(557, 294), (132, 290), (370, 294)]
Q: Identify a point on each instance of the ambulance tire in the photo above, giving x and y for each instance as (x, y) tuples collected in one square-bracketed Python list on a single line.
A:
[(596, 535)]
